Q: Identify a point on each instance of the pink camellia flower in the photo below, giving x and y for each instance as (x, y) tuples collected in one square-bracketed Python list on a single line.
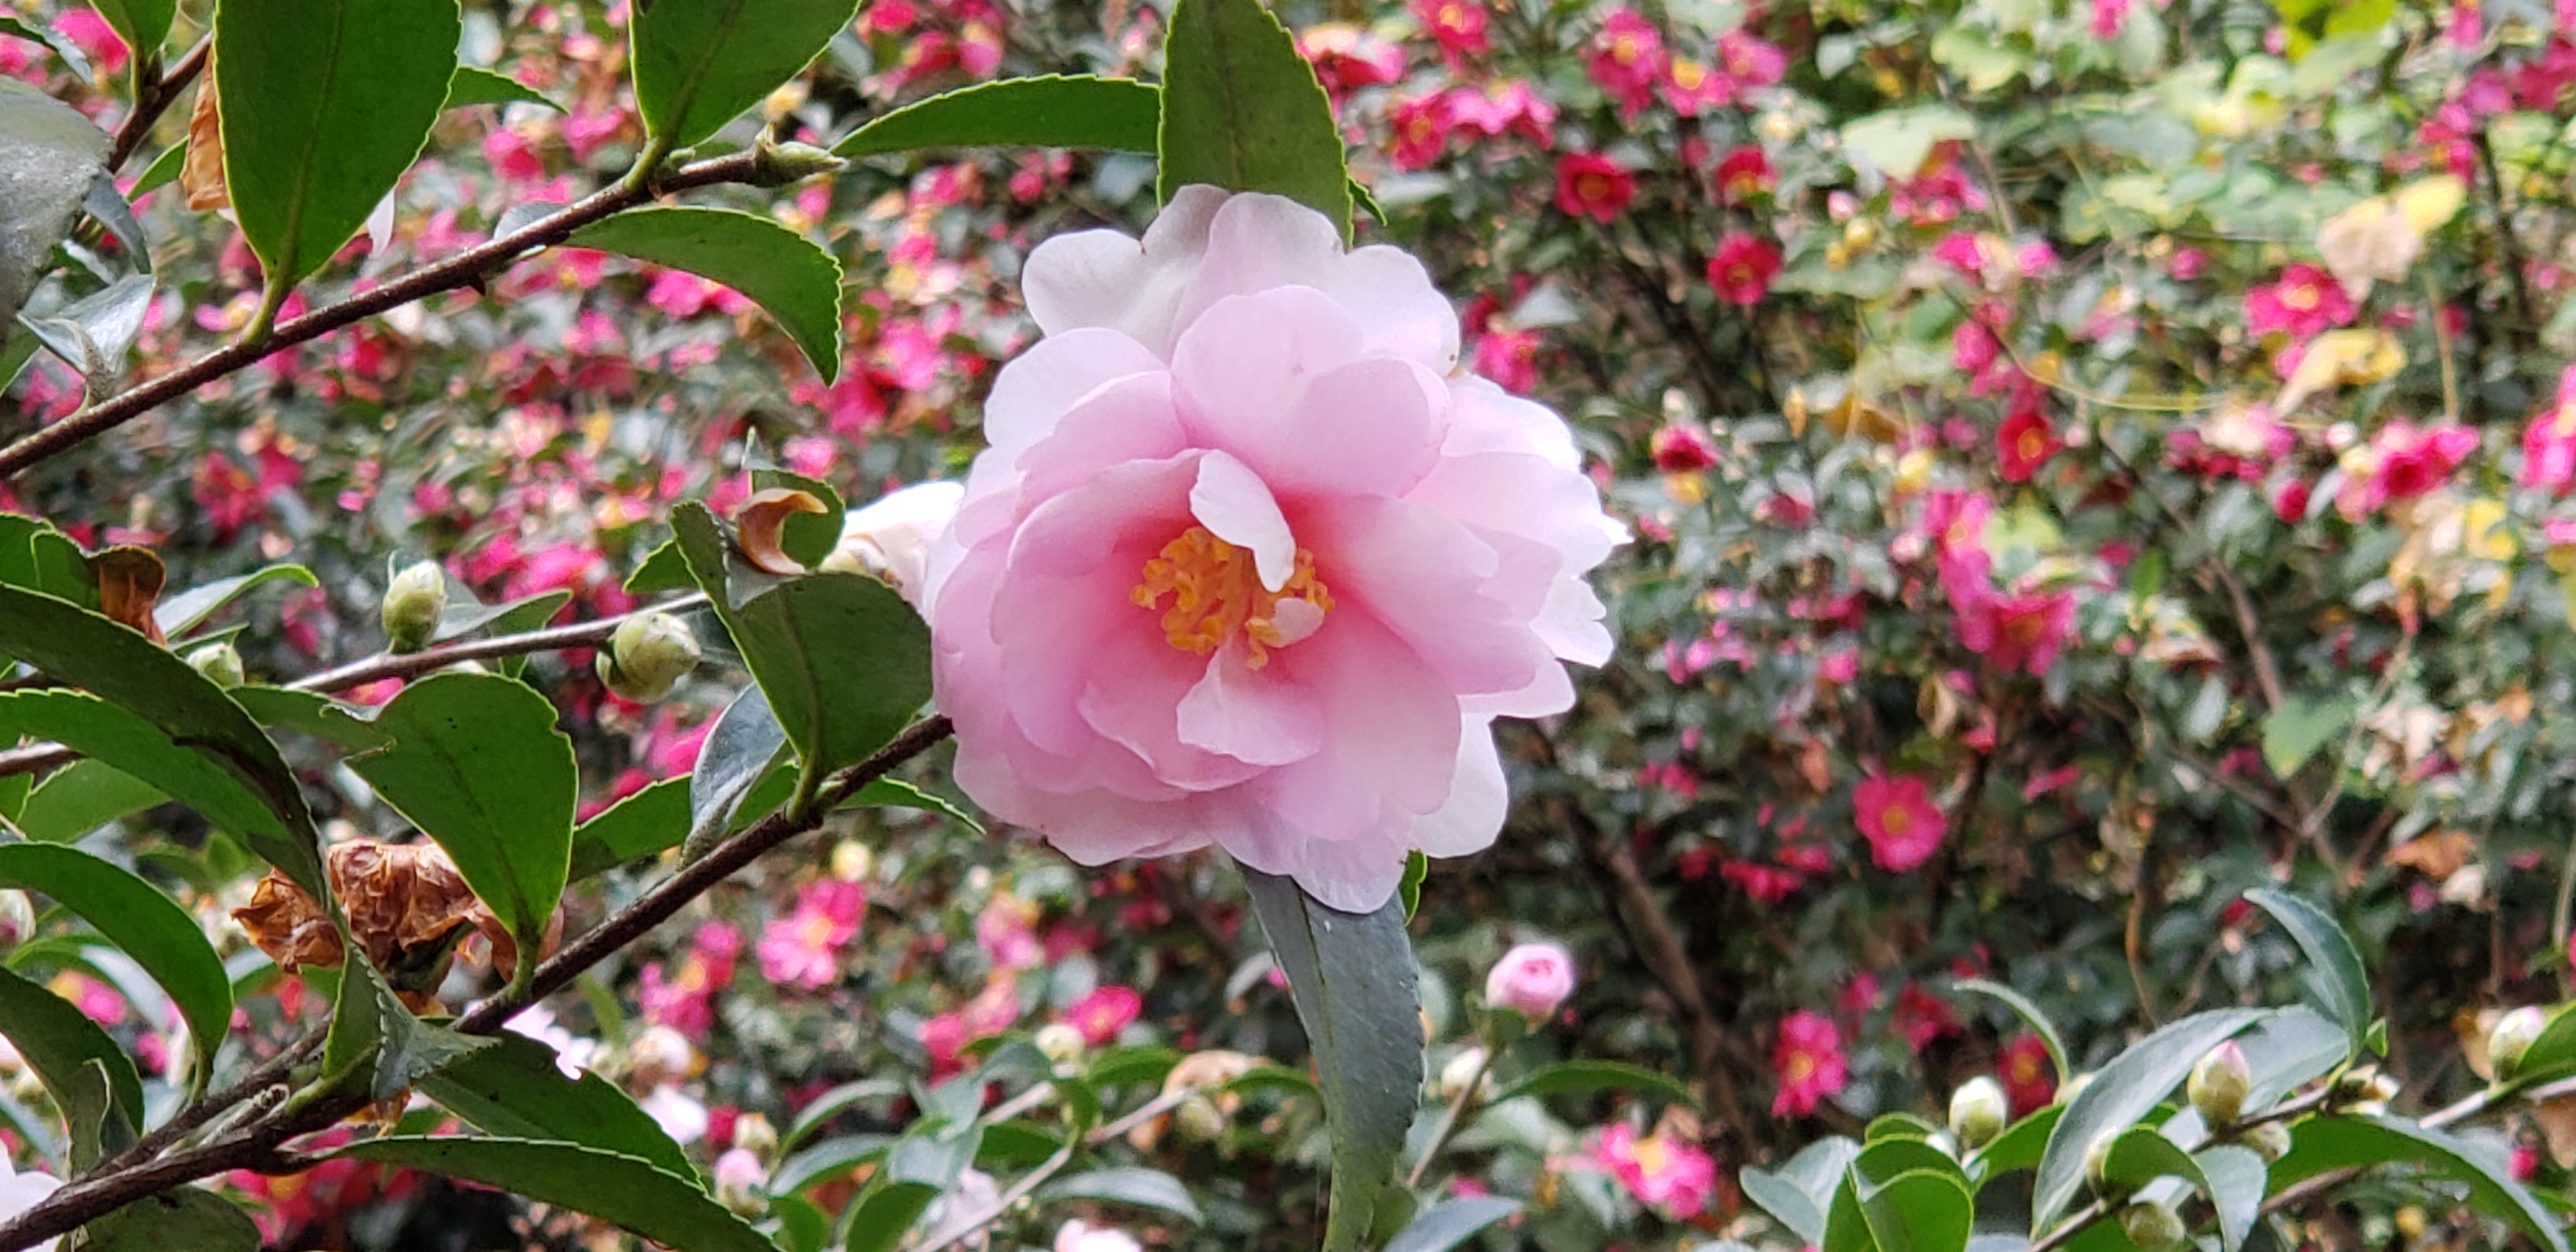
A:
[(1510, 358), (1682, 449), (2021, 630), (1808, 1060), (1742, 268), (1898, 818), (2549, 442), (1532, 980), (1589, 184), (1744, 173), (804, 950), (2024, 443), (1420, 129), (1672, 1176), (2305, 302), (1251, 563), (1103, 1013), (1627, 60), (1459, 25), (2414, 461)]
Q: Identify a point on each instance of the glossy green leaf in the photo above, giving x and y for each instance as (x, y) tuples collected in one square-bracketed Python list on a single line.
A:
[(1899, 1126), (1451, 1222), (1918, 1211), (189, 609), (622, 1190), (636, 827), (2120, 1096), (1352, 978), (1143, 1188), (1888, 1158), (48, 154), (142, 24), (478, 765), (786, 274), (65, 49), (842, 660), (184, 1219), (2338, 980), (467, 616), (81, 797), (163, 171), (2289, 1049), (58, 1041), (349, 727), (226, 789), (886, 1213), (737, 753), (1243, 111), (325, 103), (143, 923), (2141, 1155), (415, 1051), (1055, 111), (2020, 1145), (700, 63), (475, 85), (663, 569), (1417, 869), (823, 1108), (2031, 1016), (516, 1089), (2235, 1178), (896, 793), (1797, 1194), (827, 1161), (1587, 1077), (357, 1024), (2322, 1145)]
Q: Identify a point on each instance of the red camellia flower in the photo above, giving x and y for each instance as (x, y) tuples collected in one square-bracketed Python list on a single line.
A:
[(1742, 268), (2024, 443), (2028, 1076), (1897, 816), (2020, 631), (1589, 184), (1627, 60), (1683, 450), (1743, 174), (1808, 1061), (1459, 25)]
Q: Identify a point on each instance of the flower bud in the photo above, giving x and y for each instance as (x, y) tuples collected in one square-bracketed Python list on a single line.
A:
[(753, 1133), (2071, 1088), (1977, 1112), (2272, 1139), (739, 1179), (2097, 1162), (2153, 1227), (853, 861), (219, 663), (2511, 1037), (1532, 980), (778, 164), (647, 656), (1063, 1044), (2219, 1085), (1466, 1067), (414, 603), (1200, 1119)]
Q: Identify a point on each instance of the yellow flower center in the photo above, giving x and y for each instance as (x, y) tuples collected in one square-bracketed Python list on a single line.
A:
[(2300, 298), (1216, 593), (1800, 1068), (1652, 1155), (2032, 445), (1895, 819)]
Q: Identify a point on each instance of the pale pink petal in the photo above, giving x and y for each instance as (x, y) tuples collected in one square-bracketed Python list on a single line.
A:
[(1234, 504), (1103, 278), (1421, 575), (1034, 392), (1250, 715), (1485, 418), (1125, 420), (1133, 689), (1467, 822), (1390, 737)]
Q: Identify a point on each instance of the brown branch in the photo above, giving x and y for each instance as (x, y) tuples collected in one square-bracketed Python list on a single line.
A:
[(157, 97), (465, 269)]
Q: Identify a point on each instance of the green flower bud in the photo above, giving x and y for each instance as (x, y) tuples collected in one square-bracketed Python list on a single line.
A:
[(414, 603), (778, 164), (2097, 1162), (647, 656), (1200, 1119), (1062, 1043), (2219, 1085), (2511, 1037), (2272, 1139), (1978, 1110), (2153, 1227), (219, 662)]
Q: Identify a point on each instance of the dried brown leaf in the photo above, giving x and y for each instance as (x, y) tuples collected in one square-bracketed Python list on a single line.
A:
[(129, 585), (761, 519), (201, 172), (2436, 856)]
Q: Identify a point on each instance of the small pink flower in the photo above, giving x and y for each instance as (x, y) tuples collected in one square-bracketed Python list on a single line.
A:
[(1103, 1013), (1589, 184), (2305, 302), (1683, 449), (1808, 1061), (2024, 443), (1532, 980), (1923, 1017), (1744, 173), (1898, 818), (803, 950), (2019, 631), (1458, 25), (1627, 60), (1672, 1176), (1742, 267), (1510, 358), (1420, 128)]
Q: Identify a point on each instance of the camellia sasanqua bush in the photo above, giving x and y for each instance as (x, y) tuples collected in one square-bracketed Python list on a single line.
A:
[(2091, 475)]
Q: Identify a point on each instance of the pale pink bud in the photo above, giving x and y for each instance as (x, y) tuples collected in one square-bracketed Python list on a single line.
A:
[(1531, 980)]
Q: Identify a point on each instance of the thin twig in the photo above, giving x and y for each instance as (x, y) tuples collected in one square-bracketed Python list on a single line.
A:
[(147, 110)]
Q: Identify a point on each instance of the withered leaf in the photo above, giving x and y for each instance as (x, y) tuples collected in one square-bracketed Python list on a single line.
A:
[(201, 172), (761, 519), (129, 585)]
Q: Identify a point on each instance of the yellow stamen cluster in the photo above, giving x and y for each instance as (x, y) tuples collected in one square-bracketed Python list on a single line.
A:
[(1215, 592)]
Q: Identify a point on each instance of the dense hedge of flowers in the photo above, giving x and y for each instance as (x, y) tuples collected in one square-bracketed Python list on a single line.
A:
[(2084, 460)]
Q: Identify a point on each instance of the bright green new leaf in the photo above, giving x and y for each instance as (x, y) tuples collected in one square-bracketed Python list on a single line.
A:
[(188, 1218), (325, 103), (2020, 1145), (2338, 979), (57, 1041), (790, 276), (1056, 111), (622, 1190), (476, 85), (143, 923), (516, 1088), (1243, 111), (2120, 1096), (1352, 977), (700, 63), (478, 765)]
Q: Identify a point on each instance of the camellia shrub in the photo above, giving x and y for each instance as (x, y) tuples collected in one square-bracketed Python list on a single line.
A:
[(1858, 625)]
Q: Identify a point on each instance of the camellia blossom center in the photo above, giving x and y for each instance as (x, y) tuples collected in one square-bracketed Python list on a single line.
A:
[(1216, 595)]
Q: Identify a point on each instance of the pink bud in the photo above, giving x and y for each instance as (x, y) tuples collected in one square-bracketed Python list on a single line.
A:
[(1532, 980)]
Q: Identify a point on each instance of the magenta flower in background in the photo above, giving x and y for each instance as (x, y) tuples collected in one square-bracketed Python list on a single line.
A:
[(1898, 818), (1808, 1061), (1251, 563), (803, 950), (1589, 184), (1742, 267), (1673, 1176), (2020, 630), (1532, 980), (1103, 1013), (2304, 302), (1627, 60)]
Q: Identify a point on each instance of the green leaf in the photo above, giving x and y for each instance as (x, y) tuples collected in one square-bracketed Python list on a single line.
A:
[(142, 24), (827, 1161), (1899, 1126), (81, 797), (57, 1041), (357, 1024), (1144, 1188), (700, 63), (886, 1214), (325, 103), (2289, 1048), (2340, 983), (466, 616), (163, 171), (664, 569), (416, 1051), (2142, 1155), (1056, 111), (1586, 1077), (1243, 111), (2030, 1014), (636, 827), (48, 154), (2322, 1145), (783, 272), (842, 660), (515, 1088), (2554, 1050), (839, 1099), (1918, 1211), (140, 921), (189, 609), (732, 759), (478, 765), (68, 51), (2235, 1178), (1352, 977), (1417, 868), (2020, 1145), (1898, 140), (474, 85), (187, 1218), (1451, 1222), (2120, 1095), (1798, 1193), (896, 793), (349, 727), (622, 1190), (227, 789), (2293, 732)]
